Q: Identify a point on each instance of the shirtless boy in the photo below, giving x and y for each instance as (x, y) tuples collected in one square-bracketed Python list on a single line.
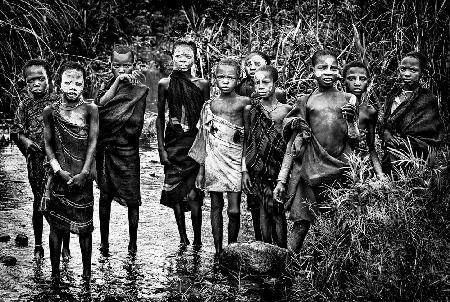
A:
[(324, 143), (185, 95), (264, 150), (218, 149)]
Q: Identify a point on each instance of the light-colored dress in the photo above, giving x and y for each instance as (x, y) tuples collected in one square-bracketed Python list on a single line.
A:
[(218, 146)]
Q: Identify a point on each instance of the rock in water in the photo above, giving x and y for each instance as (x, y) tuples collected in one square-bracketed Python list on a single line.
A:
[(22, 240), (255, 258), (4, 238), (8, 260)]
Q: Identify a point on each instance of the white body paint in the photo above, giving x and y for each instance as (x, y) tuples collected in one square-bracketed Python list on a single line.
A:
[(72, 83)]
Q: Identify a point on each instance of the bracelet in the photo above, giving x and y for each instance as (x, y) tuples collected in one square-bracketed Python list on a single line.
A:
[(85, 171), (55, 165)]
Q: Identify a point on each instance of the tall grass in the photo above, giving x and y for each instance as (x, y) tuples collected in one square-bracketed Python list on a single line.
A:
[(384, 240)]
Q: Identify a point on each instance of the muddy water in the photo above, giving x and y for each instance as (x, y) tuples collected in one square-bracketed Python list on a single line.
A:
[(161, 271)]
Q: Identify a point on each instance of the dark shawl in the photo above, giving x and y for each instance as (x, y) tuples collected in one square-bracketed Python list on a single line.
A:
[(264, 154), (120, 126), (70, 210), (246, 87), (181, 174), (417, 119)]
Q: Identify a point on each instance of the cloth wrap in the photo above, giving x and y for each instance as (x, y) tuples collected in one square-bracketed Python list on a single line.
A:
[(28, 121), (70, 210), (312, 171), (416, 122), (180, 175), (120, 125), (264, 155), (218, 146)]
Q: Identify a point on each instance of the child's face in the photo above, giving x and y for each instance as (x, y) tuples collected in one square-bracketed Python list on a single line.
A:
[(326, 71), (183, 58), (121, 63), (72, 84), (410, 71), (356, 80), (37, 80), (252, 63), (227, 78), (264, 84)]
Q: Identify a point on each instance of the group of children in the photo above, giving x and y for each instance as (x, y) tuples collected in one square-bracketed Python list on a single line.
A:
[(247, 139)]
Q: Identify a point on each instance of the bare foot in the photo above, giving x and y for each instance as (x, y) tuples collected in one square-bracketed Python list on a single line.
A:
[(38, 252), (104, 250), (132, 249), (65, 253)]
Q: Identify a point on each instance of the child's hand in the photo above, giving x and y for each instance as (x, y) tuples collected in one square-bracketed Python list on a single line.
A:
[(78, 181), (279, 191), (127, 78), (164, 158), (31, 146), (296, 124), (246, 182), (65, 176), (349, 112), (139, 75), (200, 180)]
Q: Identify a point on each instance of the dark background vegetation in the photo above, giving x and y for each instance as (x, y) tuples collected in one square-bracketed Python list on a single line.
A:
[(371, 249)]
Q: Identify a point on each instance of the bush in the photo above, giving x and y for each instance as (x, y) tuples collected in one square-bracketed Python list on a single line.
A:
[(384, 240)]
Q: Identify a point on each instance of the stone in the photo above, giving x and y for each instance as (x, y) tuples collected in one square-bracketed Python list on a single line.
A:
[(255, 258), (8, 260), (22, 240), (5, 238)]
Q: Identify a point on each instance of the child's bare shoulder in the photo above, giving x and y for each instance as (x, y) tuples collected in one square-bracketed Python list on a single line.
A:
[(164, 82), (201, 82), (369, 110), (244, 100)]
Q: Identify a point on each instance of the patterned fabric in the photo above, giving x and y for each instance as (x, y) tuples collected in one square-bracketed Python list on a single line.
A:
[(70, 210), (218, 146), (120, 125), (264, 154)]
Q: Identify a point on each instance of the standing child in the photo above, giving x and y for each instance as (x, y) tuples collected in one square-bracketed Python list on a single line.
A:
[(28, 134), (184, 95), (356, 77), (264, 148), (411, 115), (218, 150), (121, 113), (70, 131), (320, 147)]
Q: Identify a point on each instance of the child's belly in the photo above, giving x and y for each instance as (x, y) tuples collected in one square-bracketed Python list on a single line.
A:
[(331, 133)]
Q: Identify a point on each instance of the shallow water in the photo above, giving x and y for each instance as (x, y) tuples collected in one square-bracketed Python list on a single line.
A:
[(161, 271)]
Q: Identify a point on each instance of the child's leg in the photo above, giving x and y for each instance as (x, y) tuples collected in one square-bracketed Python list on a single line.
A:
[(181, 223), (266, 225), (133, 220), (234, 215), (217, 219), (86, 254), (65, 249), (280, 230), (38, 221), (299, 231), (195, 203), (55, 240), (104, 215), (253, 205)]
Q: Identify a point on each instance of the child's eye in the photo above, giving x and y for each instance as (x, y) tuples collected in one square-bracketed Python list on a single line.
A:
[(257, 64), (363, 79), (66, 83), (42, 79), (79, 84)]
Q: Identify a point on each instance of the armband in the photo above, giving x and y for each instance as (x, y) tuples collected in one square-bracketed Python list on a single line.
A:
[(55, 165), (243, 165)]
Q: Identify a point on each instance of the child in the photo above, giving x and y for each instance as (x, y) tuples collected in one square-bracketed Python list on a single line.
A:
[(246, 87), (185, 95), (70, 132), (320, 148), (28, 134), (121, 114), (218, 150), (265, 148), (356, 77), (411, 115)]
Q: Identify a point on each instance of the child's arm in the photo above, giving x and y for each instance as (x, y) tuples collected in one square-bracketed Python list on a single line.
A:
[(111, 92), (370, 138), (160, 122), (17, 132), (246, 181), (80, 179), (48, 137), (278, 192)]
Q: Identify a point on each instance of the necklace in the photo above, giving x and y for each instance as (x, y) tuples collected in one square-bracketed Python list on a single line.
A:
[(273, 107), (65, 107)]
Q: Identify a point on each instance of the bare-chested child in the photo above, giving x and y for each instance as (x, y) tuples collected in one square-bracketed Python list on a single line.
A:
[(28, 134), (184, 95), (264, 149), (320, 147), (70, 131), (218, 149), (356, 77)]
